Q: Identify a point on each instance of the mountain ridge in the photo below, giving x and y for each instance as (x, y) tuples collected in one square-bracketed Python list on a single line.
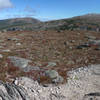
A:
[(84, 22)]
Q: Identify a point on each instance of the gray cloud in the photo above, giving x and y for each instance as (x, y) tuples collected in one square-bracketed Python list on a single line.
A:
[(5, 4)]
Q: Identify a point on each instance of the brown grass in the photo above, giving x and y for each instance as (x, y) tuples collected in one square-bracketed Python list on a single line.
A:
[(47, 46), (44, 80)]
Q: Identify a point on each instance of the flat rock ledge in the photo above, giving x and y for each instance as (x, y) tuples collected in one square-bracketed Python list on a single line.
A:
[(83, 84)]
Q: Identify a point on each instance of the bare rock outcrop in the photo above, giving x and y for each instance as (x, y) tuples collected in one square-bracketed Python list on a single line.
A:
[(83, 84), (12, 92)]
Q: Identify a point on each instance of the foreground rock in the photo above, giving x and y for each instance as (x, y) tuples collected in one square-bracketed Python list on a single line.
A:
[(83, 84), (51, 64), (1, 56), (92, 96), (96, 70), (94, 42), (91, 43), (90, 37), (86, 45), (38, 92), (12, 92), (19, 62), (54, 76), (22, 63)]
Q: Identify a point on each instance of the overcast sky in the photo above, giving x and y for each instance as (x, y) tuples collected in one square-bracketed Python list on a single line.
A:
[(47, 9)]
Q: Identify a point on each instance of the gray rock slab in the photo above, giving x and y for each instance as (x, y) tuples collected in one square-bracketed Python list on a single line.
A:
[(19, 62), (30, 68), (96, 70), (12, 92), (52, 74), (51, 64)]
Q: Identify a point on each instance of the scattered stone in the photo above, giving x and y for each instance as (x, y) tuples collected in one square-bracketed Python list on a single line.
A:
[(9, 39), (86, 45), (19, 62), (1, 56), (94, 42), (1, 41), (96, 70), (4, 31), (70, 62), (51, 64), (98, 48), (14, 29), (90, 44), (1, 47), (92, 96), (72, 41), (38, 63), (90, 37), (30, 68), (78, 33), (23, 64), (7, 50), (52, 74), (66, 43), (18, 44), (70, 47), (59, 79), (13, 39)]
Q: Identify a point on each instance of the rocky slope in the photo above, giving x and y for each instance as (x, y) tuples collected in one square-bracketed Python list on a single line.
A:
[(83, 84)]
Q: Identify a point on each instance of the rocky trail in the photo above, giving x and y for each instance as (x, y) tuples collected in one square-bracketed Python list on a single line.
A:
[(83, 84)]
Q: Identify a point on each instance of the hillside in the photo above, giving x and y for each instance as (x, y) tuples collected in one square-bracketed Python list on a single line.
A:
[(89, 22), (86, 22), (18, 22)]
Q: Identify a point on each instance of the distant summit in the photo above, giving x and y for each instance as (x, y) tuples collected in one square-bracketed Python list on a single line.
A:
[(23, 20), (18, 22), (93, 17), (86, 22)]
